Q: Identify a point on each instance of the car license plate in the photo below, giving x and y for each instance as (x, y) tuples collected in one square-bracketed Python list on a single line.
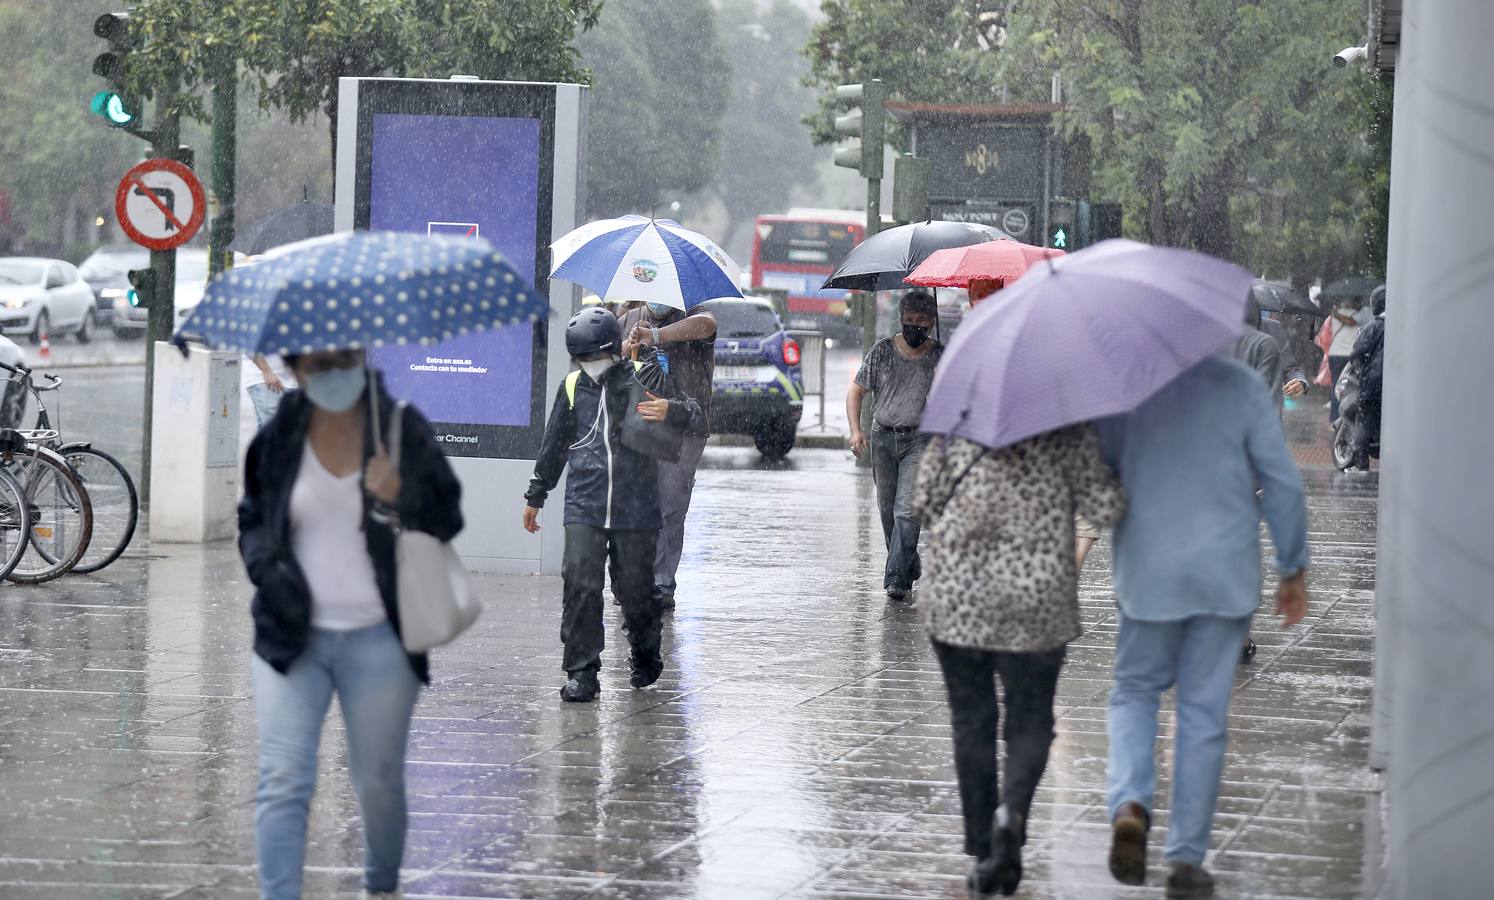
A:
[(736, 373)]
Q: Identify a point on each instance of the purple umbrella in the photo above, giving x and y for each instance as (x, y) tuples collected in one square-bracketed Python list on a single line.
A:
[(1089, 335)]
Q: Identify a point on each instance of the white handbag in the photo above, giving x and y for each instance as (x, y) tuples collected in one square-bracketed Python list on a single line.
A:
[(435, 596)]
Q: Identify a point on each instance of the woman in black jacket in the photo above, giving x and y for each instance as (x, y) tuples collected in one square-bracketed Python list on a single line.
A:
[(316, 536)]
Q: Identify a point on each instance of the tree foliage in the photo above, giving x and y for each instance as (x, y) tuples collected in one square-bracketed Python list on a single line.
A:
[(660, 89), (766, 153)]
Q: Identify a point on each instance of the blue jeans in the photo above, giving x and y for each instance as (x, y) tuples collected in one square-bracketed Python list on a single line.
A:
[(895, 460), (265, 401), (1198, 655), (376, 688)]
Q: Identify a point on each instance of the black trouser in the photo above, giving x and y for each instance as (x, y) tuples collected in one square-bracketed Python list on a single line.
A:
[(587, 552), (1366, 429), (1028, 683)]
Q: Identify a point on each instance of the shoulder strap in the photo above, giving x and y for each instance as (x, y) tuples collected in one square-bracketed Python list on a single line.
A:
[(396, 433), (571, 381)]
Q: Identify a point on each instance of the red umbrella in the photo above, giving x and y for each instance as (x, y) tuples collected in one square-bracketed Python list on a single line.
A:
[(1001, 261)]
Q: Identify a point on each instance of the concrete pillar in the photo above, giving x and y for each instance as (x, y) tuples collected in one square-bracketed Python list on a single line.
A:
[(1439, 427)]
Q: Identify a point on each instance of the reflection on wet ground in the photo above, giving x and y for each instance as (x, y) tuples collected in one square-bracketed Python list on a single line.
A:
[(797, 745)]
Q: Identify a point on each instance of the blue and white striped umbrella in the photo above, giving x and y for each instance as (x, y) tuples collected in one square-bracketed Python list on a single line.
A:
[(654, 260), (363, 289)]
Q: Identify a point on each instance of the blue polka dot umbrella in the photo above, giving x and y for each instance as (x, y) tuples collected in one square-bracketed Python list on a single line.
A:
[(657, 260), (362, 289)]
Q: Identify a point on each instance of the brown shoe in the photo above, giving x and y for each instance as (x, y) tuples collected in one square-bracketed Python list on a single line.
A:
[(1128, 843), (1187, 881)]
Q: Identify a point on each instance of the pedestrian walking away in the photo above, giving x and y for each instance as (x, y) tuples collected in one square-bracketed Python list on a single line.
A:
[(1369, 357), (898, 370), (316, 532), (612, 498), (1336, 339), (1187, 581), (687, 342), (265, 379), (1002, 599)]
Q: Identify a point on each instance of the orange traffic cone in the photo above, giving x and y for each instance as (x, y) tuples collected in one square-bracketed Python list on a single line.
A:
[(45, 353)]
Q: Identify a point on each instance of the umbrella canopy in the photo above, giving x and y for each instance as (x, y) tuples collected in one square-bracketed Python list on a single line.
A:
[(654, 260), (286, 225), (1273, 295), (1353, 286), (1000, 261), (363, 289), (1092, 335), (883, 261)]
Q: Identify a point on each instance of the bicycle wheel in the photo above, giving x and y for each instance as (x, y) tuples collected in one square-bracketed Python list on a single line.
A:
[(61, 516), (116, 505), (15, 523)]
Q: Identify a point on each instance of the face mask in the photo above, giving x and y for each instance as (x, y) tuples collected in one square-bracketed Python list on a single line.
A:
[(1347, 310), (660, 310), (336, 390), (915, 335), (596, 368)]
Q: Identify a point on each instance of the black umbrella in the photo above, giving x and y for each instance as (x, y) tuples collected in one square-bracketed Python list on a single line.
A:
[(882, 261), (1353, 286), (1274, 295), (284, 226)]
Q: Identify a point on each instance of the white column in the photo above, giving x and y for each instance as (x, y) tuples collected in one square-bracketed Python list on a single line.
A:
[(1439, 429)]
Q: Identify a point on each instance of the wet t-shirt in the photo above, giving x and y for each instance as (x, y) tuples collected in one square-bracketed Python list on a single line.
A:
[(901, 385), (692, 364)]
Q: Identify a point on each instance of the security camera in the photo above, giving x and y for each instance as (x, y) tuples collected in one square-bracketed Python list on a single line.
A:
[(1350, 54)]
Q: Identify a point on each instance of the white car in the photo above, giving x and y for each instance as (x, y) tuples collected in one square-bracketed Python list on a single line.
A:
[(191, 281), (44, 297)]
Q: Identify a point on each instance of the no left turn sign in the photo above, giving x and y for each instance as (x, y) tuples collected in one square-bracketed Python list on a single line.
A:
[(160, 204)]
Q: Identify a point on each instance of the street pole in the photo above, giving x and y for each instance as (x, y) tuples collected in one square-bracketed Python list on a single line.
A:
[(225, 154), (869, 302), (161, 311)]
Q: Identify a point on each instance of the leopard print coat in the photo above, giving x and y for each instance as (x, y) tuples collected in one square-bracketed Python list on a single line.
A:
[(999, 571)]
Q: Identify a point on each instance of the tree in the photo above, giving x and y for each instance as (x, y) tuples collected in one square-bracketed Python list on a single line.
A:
[(766, 152), (660, 87), (1197, 110), (296, 50), (930, 51)]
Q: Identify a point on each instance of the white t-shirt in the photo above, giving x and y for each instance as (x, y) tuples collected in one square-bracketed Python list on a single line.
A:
[(249, 373), (1344, 336), (326, 516)]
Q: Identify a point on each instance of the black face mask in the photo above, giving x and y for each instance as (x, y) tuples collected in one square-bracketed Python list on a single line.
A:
[(915, 335)]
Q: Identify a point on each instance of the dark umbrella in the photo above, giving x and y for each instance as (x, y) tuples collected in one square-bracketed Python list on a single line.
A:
[(884, 260), (1273, 295), (284, 226), (1353, 286)]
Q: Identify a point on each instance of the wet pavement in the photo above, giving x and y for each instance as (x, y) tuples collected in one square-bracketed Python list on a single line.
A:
[(797, 745)]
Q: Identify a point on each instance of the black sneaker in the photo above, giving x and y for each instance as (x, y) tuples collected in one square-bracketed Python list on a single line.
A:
[(646, 668), (897, 594), (1247, 652), (581, 688), (1187, 881), (1128, 843)]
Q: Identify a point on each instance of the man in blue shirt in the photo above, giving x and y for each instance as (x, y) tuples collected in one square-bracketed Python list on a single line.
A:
[(1187, 581)]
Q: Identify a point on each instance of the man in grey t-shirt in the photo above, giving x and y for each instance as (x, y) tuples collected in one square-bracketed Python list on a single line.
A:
[(899, 370)]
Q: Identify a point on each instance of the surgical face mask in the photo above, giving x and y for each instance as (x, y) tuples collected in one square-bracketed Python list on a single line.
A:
[(660, 310), (596, 368), (1347, 310), (336, 390), (915, 335)]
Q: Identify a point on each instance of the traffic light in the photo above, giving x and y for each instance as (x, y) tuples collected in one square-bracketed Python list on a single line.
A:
[(867, 111), (142, 288), (1061, 230), (114, 103)]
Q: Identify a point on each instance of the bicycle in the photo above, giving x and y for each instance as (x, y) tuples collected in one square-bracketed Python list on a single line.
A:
[(112, 496), (15, 512), (59, 515)]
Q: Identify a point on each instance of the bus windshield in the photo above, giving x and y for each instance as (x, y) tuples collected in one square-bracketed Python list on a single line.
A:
[(805, 242)]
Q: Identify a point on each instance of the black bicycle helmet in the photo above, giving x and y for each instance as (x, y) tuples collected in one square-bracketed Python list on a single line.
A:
[(592, 331)]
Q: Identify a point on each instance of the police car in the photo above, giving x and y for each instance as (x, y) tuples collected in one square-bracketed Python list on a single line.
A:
[(757, 388)]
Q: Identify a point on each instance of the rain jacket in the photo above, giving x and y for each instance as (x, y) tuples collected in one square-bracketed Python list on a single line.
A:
[(429, 500), (609, 485)]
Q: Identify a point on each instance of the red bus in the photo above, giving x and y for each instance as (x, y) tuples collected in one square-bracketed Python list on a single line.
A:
[(797, 251)]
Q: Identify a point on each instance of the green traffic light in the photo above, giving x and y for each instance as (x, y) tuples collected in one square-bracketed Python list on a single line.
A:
[(1060, 239), (111, 105), (133, 297)]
